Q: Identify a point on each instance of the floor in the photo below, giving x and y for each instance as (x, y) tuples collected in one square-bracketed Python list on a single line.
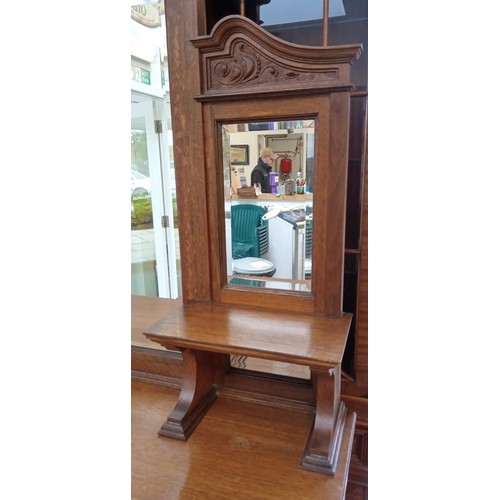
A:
[(240, 450)]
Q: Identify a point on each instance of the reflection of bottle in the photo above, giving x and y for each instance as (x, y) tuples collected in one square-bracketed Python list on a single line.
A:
[(274, 181), (289, 187), (299, 184)]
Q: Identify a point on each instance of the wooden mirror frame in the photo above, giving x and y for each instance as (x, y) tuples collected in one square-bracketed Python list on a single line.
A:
[(273, 80)]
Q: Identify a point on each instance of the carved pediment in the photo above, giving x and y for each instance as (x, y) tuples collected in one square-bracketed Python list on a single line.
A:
[(239, 57)]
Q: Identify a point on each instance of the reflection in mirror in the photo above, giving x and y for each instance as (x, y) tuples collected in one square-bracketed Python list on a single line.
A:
[(269, 223)]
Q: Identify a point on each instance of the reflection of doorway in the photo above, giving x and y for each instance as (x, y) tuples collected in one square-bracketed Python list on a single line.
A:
[(153, 243)]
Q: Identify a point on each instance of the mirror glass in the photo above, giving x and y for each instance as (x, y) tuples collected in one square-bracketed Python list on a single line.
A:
[(268, 193)]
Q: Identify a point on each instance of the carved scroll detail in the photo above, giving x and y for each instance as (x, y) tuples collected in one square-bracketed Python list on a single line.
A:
[(239, 57), (247, 66)]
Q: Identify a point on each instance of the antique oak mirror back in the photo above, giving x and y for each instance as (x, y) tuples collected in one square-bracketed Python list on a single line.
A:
[(250, 76)]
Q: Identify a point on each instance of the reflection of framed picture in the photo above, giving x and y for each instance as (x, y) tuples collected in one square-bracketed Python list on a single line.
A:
[(239, 155)]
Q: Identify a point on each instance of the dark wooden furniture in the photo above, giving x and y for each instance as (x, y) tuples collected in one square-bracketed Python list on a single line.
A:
[(207, 333)]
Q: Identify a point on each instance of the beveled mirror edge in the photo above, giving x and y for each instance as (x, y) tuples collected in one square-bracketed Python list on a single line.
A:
[(285, 238)]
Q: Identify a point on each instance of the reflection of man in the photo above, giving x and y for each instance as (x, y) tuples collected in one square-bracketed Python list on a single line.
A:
[(260, 173)]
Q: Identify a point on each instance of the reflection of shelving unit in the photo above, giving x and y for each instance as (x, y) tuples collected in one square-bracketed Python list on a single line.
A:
[(308, 248)]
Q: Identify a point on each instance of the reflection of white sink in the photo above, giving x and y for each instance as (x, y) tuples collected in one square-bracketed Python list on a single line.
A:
[(272, 213), (275, 211)]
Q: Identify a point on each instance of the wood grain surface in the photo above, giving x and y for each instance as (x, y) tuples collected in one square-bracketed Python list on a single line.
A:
[(240, 450), (275, 335)]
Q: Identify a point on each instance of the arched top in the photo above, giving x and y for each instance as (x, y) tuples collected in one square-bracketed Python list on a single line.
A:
[(239, 57)]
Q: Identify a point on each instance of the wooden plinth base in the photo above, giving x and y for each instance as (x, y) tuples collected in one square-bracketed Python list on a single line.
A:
[(181, 427), (339, 482), (343, 435)]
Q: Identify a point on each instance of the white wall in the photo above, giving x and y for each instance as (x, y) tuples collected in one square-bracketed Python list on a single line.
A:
[(256, 140)]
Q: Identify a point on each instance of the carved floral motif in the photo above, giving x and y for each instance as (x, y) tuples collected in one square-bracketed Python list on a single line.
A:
[(247, 66)]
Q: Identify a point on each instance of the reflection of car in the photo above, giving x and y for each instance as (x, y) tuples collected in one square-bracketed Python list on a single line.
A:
[(140, 184)]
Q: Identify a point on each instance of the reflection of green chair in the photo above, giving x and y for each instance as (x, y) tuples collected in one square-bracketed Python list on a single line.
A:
[(249, 233)]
